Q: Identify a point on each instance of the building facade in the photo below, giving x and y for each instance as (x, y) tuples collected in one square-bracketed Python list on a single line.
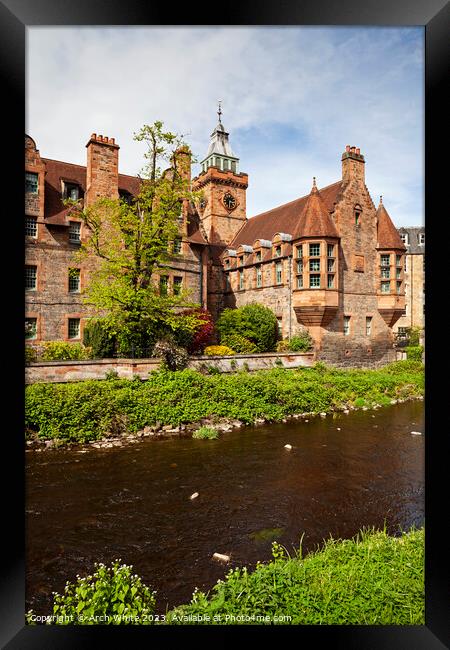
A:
[(329, 262), (413, 238)]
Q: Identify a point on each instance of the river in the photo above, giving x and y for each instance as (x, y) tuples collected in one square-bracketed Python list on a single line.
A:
[(133, 503)]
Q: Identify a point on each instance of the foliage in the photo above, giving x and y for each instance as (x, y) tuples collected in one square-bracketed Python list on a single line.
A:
[(239, 344), (174, 357), (112, 595), (301, 342), (372, 579), (131, 244), (206, 433), (218, 350), (196, 339), (30, 354), (63, 351), (254, 322), (99, 338), (414, 352), (414, 334), (89, 410)]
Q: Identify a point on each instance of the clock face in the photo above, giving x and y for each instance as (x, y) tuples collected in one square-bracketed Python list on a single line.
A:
[(229, 201)]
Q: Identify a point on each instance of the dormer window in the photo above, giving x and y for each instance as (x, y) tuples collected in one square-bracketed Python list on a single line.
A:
[(404, 237), (71, 191), (277, 251), (421, 239), (227, 263), (258, 256)]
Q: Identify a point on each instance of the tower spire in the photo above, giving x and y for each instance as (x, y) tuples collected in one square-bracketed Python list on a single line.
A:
[(219, 112)]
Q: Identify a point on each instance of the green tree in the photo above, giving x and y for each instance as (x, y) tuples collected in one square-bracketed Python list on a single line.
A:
[(132, 241)]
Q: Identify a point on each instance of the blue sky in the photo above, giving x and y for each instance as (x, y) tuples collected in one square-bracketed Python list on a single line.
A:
[(292, 99)]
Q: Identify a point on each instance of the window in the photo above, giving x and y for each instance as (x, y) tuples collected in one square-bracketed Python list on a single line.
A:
[(385, 260), (241, 280), (357, 216), (30, 328), (402, 333), (258, 256), (368, 325), (74, 232), (31, 278), (399, 287), (346, 325), (330, 265), (74, 280), (233, 166), (314, 250), (404, 237), (31, 226), (227, 263), (398, 260), (300, 267), (385, 287), (163, 284), (278, 273), (300, 251), (73, 328), (398, 273), (31, 182), (258, 276), (177, 245), (330, 281), (177, 285), (217, 162), (225, 165), (314, 265), (386, 272), (277, 251), (314, 281), (330, 250), (421, 239), (240, 260), (72, 191), (299, 281)]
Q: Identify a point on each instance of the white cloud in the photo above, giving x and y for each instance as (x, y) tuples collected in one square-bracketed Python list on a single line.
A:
[(327, 87)]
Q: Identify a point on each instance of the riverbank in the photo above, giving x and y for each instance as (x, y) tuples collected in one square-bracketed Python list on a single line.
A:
[(372, 579), (115, 412)]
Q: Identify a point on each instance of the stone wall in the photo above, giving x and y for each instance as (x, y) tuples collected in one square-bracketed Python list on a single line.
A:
[(65, 371)]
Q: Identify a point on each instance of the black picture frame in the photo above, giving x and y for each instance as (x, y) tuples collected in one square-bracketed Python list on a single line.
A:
[(15, 16)]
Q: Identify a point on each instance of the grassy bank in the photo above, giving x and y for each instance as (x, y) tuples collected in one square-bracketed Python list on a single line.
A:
[(89, 410), (373, 579)]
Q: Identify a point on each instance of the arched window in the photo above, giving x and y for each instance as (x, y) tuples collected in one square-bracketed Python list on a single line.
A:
[(357, 211)]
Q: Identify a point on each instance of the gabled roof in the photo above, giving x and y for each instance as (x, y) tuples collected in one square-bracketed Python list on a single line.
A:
[(315, 219), (387, 234), (284, 218)]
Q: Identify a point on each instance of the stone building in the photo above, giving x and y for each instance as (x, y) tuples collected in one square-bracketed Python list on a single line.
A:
[(413, 238), (330, 262)]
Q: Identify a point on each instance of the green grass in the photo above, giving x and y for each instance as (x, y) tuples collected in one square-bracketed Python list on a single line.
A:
[(89, 410), (373, 579), (206, 433)]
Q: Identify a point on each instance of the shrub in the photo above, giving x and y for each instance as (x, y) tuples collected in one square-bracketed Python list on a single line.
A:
[(194, 341), (239, 344), (99, 338), (63, 351), (30, 354), (206, 433), (414, 352), (413, 334), (218, 350), (174, 357), (282, 346), (301, 342), (254, 322), (112, 595)]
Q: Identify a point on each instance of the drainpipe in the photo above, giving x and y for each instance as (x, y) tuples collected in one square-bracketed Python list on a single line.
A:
[(290, 295)]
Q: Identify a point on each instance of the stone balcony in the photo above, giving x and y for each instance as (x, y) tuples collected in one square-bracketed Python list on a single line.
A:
[(391, 307), (315, 306)]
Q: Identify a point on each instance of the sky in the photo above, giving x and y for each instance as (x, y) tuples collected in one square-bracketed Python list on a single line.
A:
[(292, 99)]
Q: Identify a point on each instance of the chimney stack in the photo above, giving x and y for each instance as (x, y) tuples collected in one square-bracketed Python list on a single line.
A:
[(102, 178), (353, 165)]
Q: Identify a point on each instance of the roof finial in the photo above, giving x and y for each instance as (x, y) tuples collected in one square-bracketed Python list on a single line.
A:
[(314, 183), (219, 112), (381, 199)]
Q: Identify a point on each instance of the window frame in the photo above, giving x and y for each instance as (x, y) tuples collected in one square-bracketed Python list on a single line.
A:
[(30, 218), (71, 278), (73, 231), (34, 277), (35, 176), (35, 327), (71, 320)]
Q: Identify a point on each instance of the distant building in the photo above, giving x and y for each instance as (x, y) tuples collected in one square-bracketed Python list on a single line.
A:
[(414, 239), (330, 262)]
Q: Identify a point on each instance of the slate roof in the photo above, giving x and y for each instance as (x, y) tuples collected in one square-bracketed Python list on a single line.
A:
[(413, 247)]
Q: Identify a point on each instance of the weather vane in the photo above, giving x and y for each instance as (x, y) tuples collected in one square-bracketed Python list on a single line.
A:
[(219, 112)]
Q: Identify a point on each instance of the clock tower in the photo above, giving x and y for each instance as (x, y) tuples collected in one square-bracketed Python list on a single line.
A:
[(222, 209)]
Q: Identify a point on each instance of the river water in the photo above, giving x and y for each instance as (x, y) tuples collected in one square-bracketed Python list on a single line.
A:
[(133, 503)]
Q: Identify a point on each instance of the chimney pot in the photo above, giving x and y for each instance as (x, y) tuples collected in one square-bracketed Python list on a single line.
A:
[(358, 150), (112, 140), (347, 148), (93, 136), (352, 149)]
